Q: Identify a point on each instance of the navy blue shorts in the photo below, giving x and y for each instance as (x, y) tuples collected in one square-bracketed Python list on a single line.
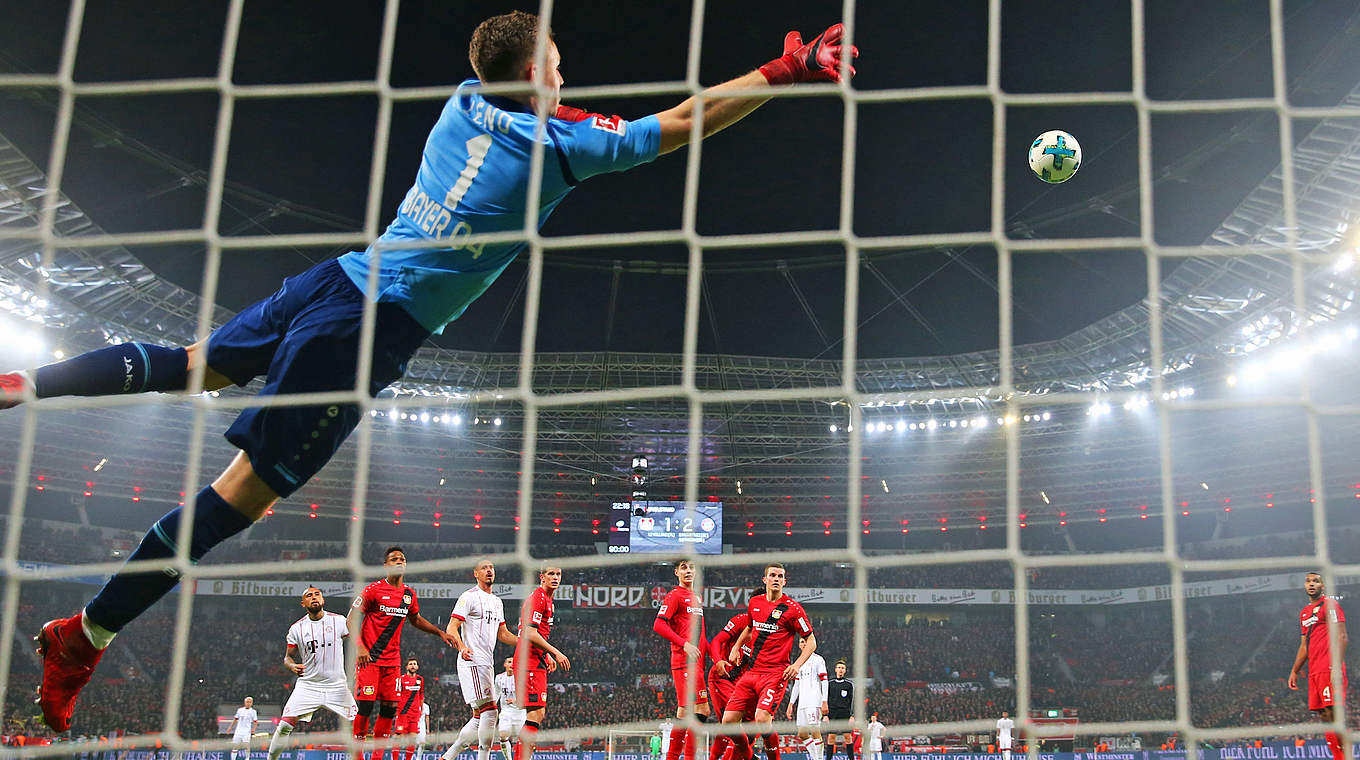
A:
[(305, 339)]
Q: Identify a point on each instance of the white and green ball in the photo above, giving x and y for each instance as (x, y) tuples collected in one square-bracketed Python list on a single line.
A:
[(1054, 156)]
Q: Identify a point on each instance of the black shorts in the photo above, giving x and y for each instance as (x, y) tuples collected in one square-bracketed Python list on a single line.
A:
[(305, 339)]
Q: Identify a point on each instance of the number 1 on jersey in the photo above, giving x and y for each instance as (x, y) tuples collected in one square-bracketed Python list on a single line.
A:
[(477, 148)]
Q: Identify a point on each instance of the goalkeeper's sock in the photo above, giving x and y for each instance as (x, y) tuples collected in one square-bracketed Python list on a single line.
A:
[(98, 635), (124, 368), (129, 593)]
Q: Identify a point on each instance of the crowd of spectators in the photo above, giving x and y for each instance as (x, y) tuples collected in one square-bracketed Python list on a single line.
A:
[(77, 545), (1111, 662), (1104, 664), (73, 544), (1252, 703)]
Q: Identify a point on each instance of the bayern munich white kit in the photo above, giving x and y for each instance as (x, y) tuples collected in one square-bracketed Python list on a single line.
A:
[(321, 648), (875, 730), (512, 717), (1004, 726), (482, 614), (809, 691), (246, 718)]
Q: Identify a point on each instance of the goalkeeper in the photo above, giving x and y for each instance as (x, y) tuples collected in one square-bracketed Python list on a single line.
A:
[(473, 179)]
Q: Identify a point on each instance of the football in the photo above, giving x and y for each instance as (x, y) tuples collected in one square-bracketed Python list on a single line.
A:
[(1054, 156)]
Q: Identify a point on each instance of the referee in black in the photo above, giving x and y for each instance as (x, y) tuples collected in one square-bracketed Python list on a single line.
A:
[(840, 701)]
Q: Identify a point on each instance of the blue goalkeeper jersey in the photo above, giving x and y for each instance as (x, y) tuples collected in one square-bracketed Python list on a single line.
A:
[(473, 179)]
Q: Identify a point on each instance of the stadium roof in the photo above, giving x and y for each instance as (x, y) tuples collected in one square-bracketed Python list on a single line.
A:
[(1216, 312)]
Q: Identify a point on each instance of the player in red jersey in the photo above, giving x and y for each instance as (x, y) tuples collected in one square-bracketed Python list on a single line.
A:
[(412, 687), (731, 654), (776, 622), (680, 620), (378, 613), (535, 658), (1315, 647), (724, 674)]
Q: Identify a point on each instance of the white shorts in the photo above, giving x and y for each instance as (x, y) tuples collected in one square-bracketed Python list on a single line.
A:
[(477, 682), (512, 719), (809, 716), (308, 697), (240, 738)]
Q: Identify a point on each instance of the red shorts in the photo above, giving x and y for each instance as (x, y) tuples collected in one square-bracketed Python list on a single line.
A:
[(1320, 688), (681, 678), (719, 689), (757, 690), (377, 682), (407, 724), (535, 688)]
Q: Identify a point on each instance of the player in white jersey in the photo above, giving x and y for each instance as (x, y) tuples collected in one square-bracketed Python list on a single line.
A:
[(422, 729), (242, 726), (667, 726), (876, 733), (1004, 726), (808, 700), (477, 623), (512, 715), (315, 651)]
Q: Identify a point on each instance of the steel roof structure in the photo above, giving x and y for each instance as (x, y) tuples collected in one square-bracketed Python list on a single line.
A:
[(790, 453)]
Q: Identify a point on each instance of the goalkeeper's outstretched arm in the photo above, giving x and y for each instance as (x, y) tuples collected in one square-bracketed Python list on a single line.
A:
[(815, 61)]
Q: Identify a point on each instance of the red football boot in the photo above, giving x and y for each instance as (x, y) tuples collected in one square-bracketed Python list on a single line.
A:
[(12, 386), (68, 662)]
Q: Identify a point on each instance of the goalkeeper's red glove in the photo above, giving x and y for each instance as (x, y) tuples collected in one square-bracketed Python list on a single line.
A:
[(815, 61), (567, 113)]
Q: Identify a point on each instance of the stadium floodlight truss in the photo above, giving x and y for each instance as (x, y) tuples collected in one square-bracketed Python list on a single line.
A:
[(1212, 307), (106, 292), (95, 295)]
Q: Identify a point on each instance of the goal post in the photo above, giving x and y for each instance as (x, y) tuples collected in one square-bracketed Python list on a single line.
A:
[(1054, 730), (630, 745)]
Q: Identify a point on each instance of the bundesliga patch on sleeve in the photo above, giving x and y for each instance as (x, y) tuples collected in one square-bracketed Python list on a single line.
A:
[(612, 124)]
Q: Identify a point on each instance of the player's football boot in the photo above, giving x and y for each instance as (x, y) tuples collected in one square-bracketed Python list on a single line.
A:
[(68, 662), (12, 385)]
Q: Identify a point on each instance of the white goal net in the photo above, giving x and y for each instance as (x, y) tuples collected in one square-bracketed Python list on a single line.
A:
[(1109, 527)]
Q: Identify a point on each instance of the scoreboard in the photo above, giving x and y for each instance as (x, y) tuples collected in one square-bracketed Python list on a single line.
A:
[(665, 527)]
